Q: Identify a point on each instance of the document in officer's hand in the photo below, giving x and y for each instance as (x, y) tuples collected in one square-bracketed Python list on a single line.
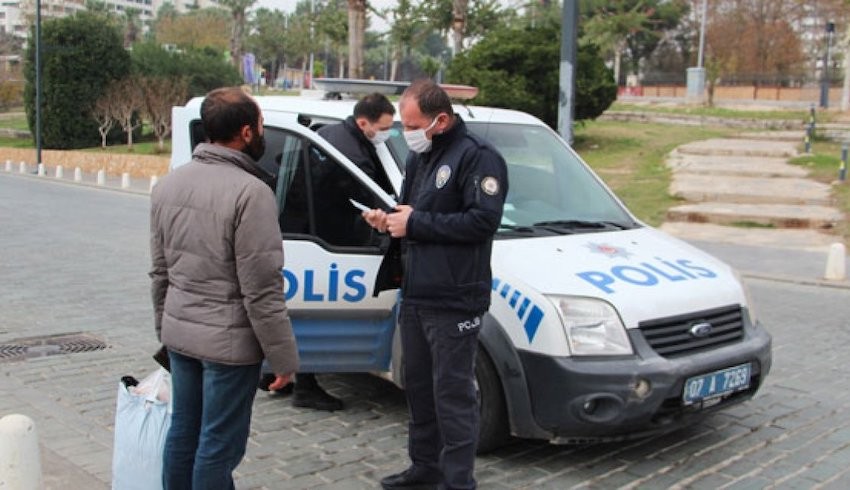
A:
[(359, 205)]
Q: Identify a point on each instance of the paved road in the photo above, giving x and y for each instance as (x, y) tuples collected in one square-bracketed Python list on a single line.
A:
[(74, 259)]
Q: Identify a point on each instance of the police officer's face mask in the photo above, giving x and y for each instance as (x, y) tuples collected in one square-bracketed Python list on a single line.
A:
[(380, 136), (417, 140)]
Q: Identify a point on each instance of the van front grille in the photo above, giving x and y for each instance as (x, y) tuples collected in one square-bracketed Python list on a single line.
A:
[(685, 334)]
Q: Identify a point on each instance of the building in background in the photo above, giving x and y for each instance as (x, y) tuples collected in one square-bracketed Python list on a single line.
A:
[(16, 16)]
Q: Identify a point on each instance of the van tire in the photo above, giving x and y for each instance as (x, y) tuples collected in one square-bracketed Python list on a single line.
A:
[(493, 431)]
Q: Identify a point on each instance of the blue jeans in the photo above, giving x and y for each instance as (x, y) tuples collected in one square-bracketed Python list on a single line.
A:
[(210, 422)]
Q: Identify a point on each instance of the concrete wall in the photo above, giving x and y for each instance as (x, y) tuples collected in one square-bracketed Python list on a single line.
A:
[(113, 164)]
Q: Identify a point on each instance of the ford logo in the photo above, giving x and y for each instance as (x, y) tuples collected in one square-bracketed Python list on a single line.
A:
[(701, 330)]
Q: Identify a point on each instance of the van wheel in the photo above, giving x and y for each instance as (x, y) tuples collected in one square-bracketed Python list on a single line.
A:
[(493, 431)]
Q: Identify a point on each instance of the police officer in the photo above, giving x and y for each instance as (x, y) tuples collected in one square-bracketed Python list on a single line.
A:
[(452, 199)]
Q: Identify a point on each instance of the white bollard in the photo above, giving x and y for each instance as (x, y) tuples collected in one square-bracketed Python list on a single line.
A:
[(101, 177), (41, 171), (60, 172), (19, 453), (154, 180), (78, 174), (835, 269), (8, 165), (125, 180), (22, 168)]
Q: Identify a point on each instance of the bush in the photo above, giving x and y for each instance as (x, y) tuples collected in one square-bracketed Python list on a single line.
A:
[(519, 69), (81, 55), (11, 94), (205, 69)]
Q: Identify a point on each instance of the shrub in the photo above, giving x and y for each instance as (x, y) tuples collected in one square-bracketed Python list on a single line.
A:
[(518, 68), (81, 55)]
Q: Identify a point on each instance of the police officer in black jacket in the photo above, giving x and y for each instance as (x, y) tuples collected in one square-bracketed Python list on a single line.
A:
[(452, 199)]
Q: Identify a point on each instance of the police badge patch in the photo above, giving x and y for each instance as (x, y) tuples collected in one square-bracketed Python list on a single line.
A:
[(443, 174), (490, 185)]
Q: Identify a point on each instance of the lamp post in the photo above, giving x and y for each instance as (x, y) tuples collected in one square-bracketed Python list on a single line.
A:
[(37, 82), (567, 74), (824, 86), (696, 74), (312, 21)]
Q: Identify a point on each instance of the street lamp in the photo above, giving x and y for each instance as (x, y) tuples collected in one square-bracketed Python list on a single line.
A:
[(38, 82), (824, 86)]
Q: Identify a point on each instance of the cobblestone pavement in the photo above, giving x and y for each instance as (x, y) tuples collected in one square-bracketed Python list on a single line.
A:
[(74, 259)]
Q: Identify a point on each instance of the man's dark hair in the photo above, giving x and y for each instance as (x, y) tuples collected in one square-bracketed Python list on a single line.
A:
[(431, 98), (373, 106), (225, 111)]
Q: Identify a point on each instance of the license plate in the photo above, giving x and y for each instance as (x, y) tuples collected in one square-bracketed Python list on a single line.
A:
[(716, 384)]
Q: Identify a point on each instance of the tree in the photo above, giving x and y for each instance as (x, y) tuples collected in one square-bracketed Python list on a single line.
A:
[(128, 100), (610, 24), (752, 40), (104, 114), (356, 37), (197, 29), (81, 55), (268, 39), (160, 95), (237, 28), (410, 23), (517, 68), (132, 26), (203, 69)]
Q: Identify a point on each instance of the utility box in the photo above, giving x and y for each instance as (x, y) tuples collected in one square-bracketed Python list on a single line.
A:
[(696, 84)]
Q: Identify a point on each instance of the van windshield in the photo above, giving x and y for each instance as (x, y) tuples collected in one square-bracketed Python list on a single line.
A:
[(550, 190)]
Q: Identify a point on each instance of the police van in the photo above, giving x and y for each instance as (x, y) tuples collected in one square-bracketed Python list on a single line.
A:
[(601, 328)]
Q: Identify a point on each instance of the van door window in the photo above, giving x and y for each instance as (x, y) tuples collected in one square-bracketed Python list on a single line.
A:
[(313, 192)]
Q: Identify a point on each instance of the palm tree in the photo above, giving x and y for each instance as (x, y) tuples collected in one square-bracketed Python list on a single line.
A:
[(237, 10), (356, 34)]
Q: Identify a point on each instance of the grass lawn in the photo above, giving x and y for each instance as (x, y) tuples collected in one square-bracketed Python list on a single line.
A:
[(823, 165), (630, 159), (148, 146)]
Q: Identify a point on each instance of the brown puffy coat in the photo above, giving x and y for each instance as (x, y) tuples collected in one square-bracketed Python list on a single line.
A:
[(217, 258)]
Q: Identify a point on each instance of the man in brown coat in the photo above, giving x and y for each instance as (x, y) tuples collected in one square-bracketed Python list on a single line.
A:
[(218, 292)]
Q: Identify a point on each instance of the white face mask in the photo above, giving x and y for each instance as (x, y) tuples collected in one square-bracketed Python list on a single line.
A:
[(417, 140), (380, 136)]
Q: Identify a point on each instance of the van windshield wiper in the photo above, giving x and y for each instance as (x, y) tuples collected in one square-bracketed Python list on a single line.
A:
[(582, 224), (519, 228)]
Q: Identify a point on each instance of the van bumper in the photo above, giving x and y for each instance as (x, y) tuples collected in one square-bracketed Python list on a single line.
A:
[(580, 400)]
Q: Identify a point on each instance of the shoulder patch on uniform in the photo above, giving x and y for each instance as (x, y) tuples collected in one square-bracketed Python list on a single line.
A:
[(490, 185), (443, 175)]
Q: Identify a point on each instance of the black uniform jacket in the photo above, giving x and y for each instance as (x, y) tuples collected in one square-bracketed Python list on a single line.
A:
[(457, 191), (351, 142)]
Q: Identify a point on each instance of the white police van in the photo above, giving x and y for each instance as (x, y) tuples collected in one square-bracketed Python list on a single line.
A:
[(601, 328)]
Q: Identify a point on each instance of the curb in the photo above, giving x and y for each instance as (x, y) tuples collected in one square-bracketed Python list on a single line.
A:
[(824, 283), (45, 178)]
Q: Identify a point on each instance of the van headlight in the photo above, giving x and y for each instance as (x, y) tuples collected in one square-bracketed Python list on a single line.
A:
[(593, 327)]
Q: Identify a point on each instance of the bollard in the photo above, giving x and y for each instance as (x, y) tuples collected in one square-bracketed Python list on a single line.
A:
[(125, 180), (842, 170), (8, 165), (60, 172), (19, 453), (41, 171), (22, 168), (78, 174), (101, 177), (835, 269), (154, 180)]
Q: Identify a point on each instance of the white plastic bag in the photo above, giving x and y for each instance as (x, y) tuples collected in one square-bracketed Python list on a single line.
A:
[(142, 419)]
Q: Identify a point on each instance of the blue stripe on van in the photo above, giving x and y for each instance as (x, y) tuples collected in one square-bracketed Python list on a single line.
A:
[(520, 304)]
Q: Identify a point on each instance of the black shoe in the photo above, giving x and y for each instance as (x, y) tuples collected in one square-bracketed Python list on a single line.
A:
[(316, 398), (413, 478), (267, 379)]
